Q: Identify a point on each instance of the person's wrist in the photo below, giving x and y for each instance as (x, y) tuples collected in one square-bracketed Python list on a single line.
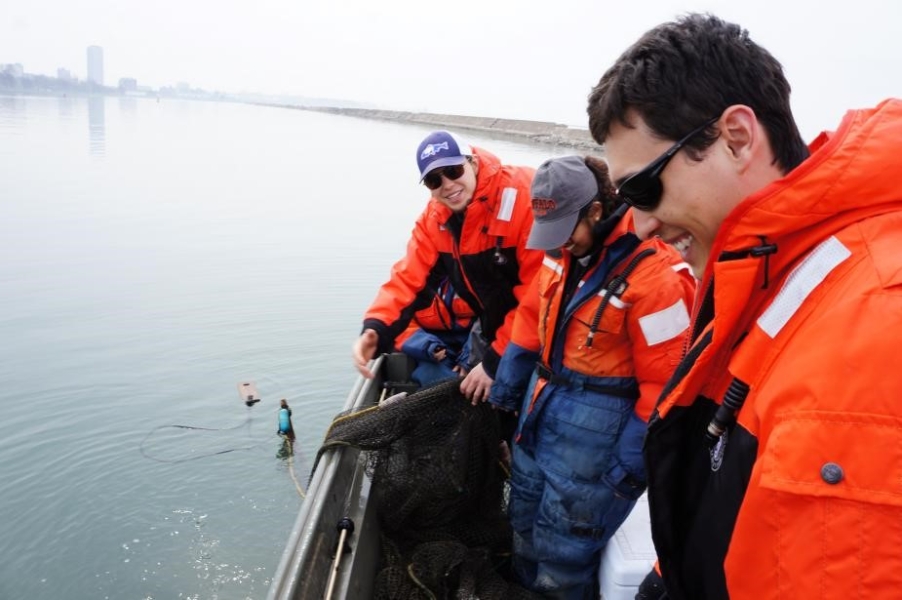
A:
[(490, 361)]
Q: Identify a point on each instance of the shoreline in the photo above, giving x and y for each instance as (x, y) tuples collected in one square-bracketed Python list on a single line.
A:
[(536, 132), (543, 133)]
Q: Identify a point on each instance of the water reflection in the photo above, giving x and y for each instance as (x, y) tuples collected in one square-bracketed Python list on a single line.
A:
[(12, 111), (66, 107), (96, 125), (128, 105)]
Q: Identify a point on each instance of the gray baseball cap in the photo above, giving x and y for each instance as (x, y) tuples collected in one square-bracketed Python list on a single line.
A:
[(561, 188)]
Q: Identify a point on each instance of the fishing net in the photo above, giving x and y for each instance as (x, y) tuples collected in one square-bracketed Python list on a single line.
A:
[(439, 490)]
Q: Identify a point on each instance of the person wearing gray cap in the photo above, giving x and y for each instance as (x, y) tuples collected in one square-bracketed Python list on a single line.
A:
[(593, 344)]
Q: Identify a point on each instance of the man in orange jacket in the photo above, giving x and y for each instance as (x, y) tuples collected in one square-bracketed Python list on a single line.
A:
[(773, 456), (473, 231)]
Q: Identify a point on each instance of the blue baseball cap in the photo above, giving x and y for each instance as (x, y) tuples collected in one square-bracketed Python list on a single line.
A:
[(441, 149)]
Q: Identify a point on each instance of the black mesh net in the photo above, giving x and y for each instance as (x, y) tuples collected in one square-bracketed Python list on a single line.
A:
[(439, 493)]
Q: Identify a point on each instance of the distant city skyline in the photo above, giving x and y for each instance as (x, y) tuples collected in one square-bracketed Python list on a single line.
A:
[(94, 69), (501, 59), (94, 72), (16, 79)]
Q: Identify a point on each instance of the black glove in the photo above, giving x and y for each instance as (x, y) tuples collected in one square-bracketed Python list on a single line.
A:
[(652, 587)]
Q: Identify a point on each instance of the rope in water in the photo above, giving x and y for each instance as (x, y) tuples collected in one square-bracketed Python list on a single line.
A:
[(294, 477), (146, 454)]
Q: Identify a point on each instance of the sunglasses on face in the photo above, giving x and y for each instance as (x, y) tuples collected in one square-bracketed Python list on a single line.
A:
[(643, 190), (433, 179)]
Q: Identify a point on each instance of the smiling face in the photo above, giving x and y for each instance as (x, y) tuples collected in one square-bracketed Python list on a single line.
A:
[(697, 195), (456, 194)]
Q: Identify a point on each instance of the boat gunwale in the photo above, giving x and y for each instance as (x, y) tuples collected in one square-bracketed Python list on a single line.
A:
[(301, 544)]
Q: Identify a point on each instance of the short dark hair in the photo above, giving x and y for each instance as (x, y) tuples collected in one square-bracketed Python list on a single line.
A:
[(683, 73)]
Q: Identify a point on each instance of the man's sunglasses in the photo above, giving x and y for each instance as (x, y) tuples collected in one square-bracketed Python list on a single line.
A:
[(433, 179), (643, 190)]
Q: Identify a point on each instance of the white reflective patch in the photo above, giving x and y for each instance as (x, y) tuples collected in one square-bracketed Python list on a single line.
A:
[(665, 324), (508, 199), (553, 265), (801, 282)]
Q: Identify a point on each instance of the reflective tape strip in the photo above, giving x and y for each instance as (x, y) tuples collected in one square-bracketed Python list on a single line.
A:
[(553, 265), (810, 273), (665, 324), (614, 301), (508, 199)]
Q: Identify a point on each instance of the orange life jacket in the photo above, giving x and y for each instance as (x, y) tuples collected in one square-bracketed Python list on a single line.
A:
[(801, 305), (447, 312), (486, 260), (626, 324)]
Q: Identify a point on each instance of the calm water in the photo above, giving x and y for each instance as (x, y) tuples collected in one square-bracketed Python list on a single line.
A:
[(155, 254)]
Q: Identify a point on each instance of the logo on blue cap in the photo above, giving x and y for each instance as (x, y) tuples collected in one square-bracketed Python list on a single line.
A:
[(432, 150)]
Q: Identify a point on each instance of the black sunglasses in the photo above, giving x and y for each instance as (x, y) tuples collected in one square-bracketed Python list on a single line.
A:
[(643, 190), (433, 179)]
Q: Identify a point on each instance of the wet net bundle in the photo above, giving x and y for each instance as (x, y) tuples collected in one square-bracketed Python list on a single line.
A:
[(439, 490)]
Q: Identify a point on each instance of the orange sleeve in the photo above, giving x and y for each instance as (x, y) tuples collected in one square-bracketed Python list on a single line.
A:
[(392, 310), (529, 261), (658, 321), (525, 329)]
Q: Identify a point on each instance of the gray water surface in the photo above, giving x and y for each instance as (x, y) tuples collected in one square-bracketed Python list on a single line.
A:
[(154, 255)]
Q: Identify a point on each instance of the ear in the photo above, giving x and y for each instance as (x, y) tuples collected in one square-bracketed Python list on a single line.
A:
[(741, 133), (596, 211)]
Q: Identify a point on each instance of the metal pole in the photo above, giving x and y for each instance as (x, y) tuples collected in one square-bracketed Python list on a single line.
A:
[(345, 527)]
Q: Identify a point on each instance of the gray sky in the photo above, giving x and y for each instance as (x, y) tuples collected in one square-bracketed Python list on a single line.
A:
[(502, 58)]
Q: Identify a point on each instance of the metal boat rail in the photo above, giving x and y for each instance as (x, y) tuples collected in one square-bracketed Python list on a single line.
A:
[(339, 488)]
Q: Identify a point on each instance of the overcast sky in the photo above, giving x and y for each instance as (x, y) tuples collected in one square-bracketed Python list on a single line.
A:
[(501, 58)]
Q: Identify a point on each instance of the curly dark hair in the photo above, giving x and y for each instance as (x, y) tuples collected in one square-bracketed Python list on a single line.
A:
[(683, 73), (607, 193)]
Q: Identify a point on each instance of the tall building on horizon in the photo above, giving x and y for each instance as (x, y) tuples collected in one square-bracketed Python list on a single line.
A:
[(95, 65)]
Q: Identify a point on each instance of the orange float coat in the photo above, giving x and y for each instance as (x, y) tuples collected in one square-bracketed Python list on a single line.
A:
[(484, 257), (639, 338), (446, 312), (445, 323), (608, 331), (802, 497)]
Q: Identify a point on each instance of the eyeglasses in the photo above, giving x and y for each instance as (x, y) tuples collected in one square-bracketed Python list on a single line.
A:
[(433, 179), (643, 190)]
